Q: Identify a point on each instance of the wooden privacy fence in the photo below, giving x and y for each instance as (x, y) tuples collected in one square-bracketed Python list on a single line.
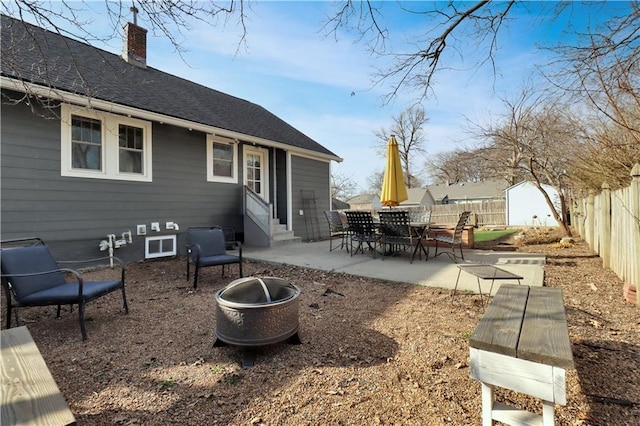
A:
[(490, 213), (610, 223)]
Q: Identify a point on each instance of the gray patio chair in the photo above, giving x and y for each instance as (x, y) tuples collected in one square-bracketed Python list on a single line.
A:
[(32, 277), (208, 247), (337, 229), (453, 240)]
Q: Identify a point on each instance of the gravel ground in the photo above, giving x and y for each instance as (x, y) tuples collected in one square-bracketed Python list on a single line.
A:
[(372, 352)]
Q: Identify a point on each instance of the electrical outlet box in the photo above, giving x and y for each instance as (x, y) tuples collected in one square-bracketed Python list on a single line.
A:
[(141, 229), (155, 226), (301, 212)]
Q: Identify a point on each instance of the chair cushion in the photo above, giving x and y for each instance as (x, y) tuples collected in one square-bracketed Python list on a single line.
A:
[(29, 260), (68, 293), (222, 259)]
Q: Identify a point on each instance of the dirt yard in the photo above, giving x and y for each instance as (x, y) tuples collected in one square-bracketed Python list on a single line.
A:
[(372, 352)]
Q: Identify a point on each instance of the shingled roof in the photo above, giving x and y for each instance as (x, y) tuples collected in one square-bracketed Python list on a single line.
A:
[(485, 190), (34, 55)]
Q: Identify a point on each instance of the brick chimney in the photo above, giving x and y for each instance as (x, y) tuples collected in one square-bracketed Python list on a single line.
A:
[(134, 48)]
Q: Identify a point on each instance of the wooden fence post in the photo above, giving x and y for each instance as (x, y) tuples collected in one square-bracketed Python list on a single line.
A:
[(635, 211), (590, 220), (577, 216), (605, 225)]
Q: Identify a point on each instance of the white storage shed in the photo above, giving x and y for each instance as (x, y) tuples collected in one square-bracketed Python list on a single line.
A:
[(526, 206)]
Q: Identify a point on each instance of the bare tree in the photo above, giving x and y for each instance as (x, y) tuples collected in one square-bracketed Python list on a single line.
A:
[(535, 140), (607, 154), (374, 182), (502, 158), (549, 155), (604, 70), (342, 187), (466, 29), (452, 27), (456, 166), (408, 129)]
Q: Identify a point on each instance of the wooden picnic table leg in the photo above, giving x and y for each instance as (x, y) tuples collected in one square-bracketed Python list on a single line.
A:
[(487, 404), (548, 413)]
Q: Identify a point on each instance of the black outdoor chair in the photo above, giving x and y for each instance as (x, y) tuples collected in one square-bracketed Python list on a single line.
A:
[(32, 277), (396, 232), (208, 247), (337, 229), (455, 239), (363, 230)]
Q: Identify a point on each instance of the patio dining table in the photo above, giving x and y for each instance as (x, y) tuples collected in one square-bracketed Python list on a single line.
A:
[(422, 230)]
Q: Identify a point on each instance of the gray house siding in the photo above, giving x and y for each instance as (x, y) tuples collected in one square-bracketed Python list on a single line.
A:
[(74, 214), (308, 174)]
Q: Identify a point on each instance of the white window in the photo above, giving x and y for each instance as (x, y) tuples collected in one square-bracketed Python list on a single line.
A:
[(222, 163), (100, 145), (160, 246)]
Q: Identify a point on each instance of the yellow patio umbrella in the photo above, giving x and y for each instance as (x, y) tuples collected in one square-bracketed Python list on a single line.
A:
[(394, 190)]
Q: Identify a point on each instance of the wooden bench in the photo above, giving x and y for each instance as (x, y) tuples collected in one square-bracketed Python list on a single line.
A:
[(522, 343), (29, 394)]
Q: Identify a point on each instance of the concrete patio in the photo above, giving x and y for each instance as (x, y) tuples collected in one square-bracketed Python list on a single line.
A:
[(438, 271)]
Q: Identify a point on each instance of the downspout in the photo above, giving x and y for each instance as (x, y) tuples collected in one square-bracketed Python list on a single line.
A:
[(274, 184), (289, 196)]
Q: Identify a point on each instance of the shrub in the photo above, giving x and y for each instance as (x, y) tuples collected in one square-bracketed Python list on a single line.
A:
[(539, 235)]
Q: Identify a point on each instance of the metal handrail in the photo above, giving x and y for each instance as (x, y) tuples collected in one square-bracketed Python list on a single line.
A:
[(257, 209)]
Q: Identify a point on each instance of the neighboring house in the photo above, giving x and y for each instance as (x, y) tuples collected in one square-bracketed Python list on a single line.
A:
[(526, 205), (100, 144), (361, 202), (468, 192), (418, 197)]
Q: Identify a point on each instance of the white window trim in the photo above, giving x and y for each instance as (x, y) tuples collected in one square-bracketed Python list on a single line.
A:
[(110, 147), (211, 139), (162, 253), (265, 168)]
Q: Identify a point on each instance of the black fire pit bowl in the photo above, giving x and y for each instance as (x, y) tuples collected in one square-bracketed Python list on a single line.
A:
[(256, 311)]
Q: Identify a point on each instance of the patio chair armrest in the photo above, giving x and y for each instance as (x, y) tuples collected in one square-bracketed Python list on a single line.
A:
[(73, 272), (99, 259), (34, 274), (193, 249), (78, 276)]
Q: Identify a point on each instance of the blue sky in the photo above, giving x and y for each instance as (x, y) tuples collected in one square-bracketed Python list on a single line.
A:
[(289, 67)]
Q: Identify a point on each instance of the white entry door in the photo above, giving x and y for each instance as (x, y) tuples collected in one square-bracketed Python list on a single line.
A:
[(256, 171)]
